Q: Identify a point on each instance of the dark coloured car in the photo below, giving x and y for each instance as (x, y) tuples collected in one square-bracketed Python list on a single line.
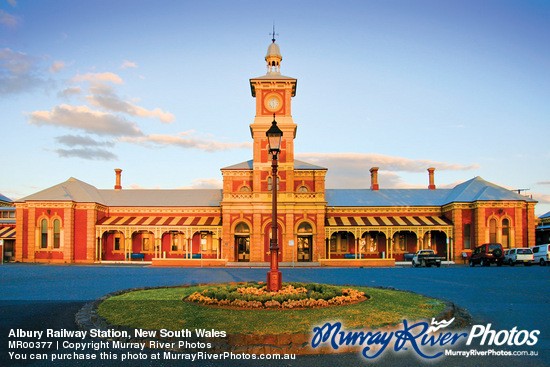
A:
[(487, 254)]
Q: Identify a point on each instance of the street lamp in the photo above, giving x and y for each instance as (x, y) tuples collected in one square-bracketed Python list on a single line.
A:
[(274, 277)]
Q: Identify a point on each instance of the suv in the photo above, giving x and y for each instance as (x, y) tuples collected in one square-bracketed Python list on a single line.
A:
[(486, 254), (541, 254), (522, 255)]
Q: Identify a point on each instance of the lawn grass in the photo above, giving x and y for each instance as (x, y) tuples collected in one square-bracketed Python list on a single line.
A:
[(163, 308)]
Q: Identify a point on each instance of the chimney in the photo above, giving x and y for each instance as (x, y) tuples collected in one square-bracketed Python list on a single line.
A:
[(374, 179), (117, 184), (431, 186)]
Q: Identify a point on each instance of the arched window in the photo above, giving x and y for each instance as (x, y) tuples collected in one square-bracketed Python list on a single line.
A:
[(493, 230), (44, 233), (303, 188), (56, 231), (245, 189), (506, 233), (242, 228), (305, 228)]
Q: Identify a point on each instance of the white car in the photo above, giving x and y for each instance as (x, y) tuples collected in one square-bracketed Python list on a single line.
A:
[(521, 255), (541, 254)]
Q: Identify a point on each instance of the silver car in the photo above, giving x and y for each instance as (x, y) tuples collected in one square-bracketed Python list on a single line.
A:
[(521, 255)]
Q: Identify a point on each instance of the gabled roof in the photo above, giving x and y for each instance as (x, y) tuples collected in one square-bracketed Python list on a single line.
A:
[(297, 165), (81, 192), (477, 189), (70, 190), (546, 215)]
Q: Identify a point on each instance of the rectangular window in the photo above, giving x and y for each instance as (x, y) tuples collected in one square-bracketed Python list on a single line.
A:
[(56, 233), (4, 214), (467, 234), (174, 242), (117, 243), (12, 214), (145, 244), (44, 234), (204, 241)]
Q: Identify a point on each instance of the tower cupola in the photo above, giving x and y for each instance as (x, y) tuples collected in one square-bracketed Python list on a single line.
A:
[(273, 57)]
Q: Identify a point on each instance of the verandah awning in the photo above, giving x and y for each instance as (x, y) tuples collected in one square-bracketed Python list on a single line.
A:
[(394, 221), (159, 221), (7, 232)]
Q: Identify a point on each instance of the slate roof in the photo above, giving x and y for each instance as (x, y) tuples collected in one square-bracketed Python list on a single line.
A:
[(546, 215), (81, 192), (473, 190), (385, 197), (476, 189), (70, 190)]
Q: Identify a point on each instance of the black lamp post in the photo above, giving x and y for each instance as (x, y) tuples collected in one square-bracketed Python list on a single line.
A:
[(274, 277)]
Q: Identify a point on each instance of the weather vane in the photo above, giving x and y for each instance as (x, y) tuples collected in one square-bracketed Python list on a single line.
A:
[(274, 34)]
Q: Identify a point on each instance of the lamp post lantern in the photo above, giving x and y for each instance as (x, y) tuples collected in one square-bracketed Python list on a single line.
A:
[(274, 277)]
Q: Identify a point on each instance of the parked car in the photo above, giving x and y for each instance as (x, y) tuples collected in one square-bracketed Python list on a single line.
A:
[(487, 254), (541, 254), (426, 258), (522, 255)]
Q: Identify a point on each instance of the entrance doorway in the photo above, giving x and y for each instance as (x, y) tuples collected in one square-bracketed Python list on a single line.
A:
[(304, 248), (242, 244)]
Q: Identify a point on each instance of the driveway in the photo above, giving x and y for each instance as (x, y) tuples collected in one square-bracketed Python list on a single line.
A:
[(37, 297)]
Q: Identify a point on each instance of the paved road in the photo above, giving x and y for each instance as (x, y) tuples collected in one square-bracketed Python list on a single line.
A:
[(36, 297)]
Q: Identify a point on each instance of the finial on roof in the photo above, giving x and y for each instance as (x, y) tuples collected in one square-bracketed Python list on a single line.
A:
[(273, 34)]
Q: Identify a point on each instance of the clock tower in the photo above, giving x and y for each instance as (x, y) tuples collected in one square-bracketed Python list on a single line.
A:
[(248, 186), (273, 93)]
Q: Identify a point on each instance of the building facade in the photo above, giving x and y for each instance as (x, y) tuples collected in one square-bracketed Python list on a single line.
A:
[(76, 222)]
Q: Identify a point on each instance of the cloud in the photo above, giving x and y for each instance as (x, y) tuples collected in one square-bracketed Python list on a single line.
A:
[(103, 97), (183, 142), (9, 20), (128, 64), (541, 198), (70, 92), (205, 183), (543, 183), (83, 118), (359, 161), (13, 3), (19, 72), (97, 77), (57, 66), (86, 153), (74, 140)]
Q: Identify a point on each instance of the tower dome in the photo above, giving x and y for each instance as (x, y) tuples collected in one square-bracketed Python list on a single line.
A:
[(273, 58)]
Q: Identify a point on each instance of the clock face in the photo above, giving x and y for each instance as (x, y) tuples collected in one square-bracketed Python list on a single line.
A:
[(273, 102)]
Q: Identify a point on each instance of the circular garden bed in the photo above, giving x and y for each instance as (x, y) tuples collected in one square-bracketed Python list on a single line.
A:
[(290, 296), (171, 308)]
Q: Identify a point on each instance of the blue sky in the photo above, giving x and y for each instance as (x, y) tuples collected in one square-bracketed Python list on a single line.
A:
[(160, 89)]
